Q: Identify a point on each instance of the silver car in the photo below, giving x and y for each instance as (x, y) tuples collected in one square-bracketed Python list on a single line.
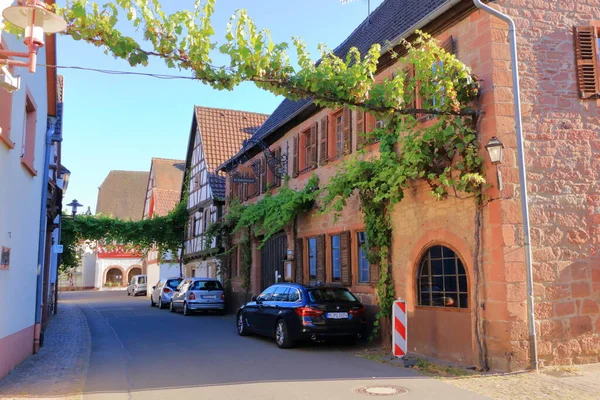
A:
[(137, 285), (198, 294), (163, 291)]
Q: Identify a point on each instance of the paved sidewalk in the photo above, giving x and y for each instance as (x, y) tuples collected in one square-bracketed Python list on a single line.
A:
[(60, 368), (577, 382)]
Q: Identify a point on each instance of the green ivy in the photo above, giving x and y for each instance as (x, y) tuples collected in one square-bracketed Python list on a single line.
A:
[(164, 233)]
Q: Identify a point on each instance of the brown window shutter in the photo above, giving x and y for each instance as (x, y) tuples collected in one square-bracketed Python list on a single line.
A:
[(346, 258), (263, 175), (324, 140), (230, 188), (347, 130), (586, 57), (360, 129), (299, 252), (295, 148), (449, 45), (374, 274), (321, 258), (313, 146)]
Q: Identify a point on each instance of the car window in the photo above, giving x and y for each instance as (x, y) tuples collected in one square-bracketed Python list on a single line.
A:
[(293, 295), (142, 279), (207, 285), (132, 281), (330, 294), (266, 295), (173, 283), (182, 284), (280, 294)]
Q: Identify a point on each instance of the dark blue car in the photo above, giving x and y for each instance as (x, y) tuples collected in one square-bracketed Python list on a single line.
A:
[(290, 313)]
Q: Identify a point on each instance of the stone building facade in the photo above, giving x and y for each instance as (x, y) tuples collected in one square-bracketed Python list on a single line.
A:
[(486, 322)]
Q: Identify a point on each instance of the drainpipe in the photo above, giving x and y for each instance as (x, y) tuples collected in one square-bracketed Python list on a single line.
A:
[(522, 175), (39, 301)]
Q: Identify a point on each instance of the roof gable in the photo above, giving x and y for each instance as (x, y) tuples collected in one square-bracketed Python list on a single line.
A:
[(223, 132), (168, 179)]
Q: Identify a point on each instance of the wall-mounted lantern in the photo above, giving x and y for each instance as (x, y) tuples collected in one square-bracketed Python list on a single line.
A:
[(37, 20), (495, 149)]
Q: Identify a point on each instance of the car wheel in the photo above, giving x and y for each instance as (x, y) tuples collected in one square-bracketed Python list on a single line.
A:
[(242, 329), (152, 304), (128, 294), (171, 307), (281, 335), (186, 311), (160, 304)]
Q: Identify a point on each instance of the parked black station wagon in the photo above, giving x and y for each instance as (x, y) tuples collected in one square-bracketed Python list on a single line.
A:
[(290, 313)]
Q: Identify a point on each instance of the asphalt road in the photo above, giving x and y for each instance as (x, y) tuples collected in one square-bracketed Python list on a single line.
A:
[(140, 352)]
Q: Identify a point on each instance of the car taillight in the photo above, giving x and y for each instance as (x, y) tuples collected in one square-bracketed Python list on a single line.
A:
[(223, 296), (192, 296), (167, 290), (308, 312), (358, 312)]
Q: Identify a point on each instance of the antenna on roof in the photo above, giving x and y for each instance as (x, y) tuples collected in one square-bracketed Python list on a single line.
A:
[(368, 7)]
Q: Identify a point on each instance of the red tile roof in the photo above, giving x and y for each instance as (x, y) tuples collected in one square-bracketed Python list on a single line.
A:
[(167, 188), (223, 132)]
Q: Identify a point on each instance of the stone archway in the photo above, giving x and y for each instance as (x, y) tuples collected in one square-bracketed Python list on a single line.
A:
[(113, 276), (133, 270)]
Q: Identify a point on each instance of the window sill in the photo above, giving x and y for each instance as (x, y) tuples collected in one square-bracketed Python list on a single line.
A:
[(29, 167), (7, 142)]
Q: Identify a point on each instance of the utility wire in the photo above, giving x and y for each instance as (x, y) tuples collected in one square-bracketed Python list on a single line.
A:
[(114, 72)]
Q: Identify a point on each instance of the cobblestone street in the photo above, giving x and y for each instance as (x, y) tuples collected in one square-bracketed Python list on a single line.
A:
[(101, 346)]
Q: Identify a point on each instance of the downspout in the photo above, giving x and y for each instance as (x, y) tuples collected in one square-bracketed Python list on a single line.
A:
[(522, 175), (51, 124)]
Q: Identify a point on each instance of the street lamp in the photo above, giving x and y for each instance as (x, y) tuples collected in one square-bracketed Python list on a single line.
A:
[(36, 19), (495, 149), (74, 204)]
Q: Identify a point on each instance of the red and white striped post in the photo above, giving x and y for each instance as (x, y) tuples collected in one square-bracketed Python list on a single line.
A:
[(399, 333)]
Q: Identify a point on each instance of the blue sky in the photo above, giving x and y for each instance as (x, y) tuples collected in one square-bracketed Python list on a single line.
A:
[(119, 122)]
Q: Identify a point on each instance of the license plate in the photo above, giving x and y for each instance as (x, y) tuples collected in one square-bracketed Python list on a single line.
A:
[(337, 315), (209, 297)]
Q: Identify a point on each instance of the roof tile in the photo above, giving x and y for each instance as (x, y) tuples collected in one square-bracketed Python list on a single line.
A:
[(122, 195)]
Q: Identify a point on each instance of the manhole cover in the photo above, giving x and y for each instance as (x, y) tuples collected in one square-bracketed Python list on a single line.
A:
[(384, 390)]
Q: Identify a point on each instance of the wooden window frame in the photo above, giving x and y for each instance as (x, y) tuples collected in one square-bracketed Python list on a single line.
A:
[(329, 250), (5, 127), (426, 259), (29, 134), (308, 276), (357, 263), (304, 151)]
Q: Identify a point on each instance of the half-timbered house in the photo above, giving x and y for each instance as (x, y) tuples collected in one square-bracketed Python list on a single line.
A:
[(216, 135), (162, 195)]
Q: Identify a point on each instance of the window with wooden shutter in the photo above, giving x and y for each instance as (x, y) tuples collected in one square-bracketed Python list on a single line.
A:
[(360, 129), (336, 258), (313, 146), (321, 258), (295, 157), (586, 57), (299, 254), (324, 135), (347, 130), (345, 258), (449, 45), (363, 268), (312, 259)]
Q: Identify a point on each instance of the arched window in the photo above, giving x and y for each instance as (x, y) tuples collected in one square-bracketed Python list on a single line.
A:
[(442, 281)]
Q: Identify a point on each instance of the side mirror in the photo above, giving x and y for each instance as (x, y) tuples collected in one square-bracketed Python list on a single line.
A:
[(254, 298)]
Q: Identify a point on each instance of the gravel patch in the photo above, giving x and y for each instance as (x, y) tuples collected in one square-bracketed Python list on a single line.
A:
[(60, 368)]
